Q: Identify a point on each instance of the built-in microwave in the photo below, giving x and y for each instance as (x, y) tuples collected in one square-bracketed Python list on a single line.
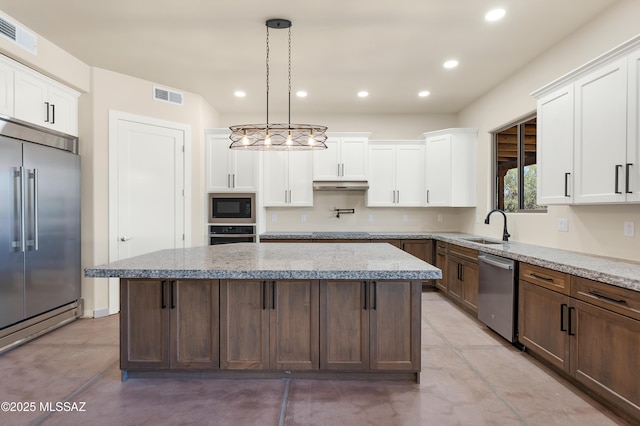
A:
[(232, 207)]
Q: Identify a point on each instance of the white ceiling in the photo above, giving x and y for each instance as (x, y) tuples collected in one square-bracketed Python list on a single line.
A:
[(393, 49)]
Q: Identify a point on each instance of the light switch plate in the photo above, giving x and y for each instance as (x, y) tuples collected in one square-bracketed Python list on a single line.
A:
[(303, 218), (563, 224), (370, 218), (439, 218), (274, 218), (405, 218), (629, 228)]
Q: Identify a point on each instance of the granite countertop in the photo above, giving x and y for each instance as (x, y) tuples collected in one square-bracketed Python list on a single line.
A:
[(274, 261), (621, 273)]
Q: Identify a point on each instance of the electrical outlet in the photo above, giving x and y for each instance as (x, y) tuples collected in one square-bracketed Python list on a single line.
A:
[(274, 218), (439, 218), (563, 224), (303, 218), (629, 229), (370, 218), (405, 218)]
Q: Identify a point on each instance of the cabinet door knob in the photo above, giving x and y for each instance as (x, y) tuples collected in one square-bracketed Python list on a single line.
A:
[(125, 239)]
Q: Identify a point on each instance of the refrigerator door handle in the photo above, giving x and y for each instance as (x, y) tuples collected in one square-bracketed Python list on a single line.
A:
[(19, 244), (35, 208)]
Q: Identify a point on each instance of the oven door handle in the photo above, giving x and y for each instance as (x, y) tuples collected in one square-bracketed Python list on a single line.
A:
[(231, 235)]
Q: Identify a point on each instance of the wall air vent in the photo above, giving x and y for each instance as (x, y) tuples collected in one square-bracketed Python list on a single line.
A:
[(166, 95), (19, 36)]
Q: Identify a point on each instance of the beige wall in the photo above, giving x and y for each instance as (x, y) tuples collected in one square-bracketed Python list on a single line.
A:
[(118, 92), (592, 229)]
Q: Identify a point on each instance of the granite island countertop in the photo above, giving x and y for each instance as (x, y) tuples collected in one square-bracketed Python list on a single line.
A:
[(618, 272), (274, 261)]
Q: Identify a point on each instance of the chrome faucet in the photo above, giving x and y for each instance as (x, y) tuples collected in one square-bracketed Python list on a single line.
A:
[(505, 233)]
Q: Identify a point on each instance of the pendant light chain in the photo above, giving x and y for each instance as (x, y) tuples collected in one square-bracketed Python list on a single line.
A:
[(289, 75), (267, 75)]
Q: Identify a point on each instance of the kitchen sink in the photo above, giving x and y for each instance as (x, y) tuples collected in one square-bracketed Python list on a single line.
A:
[(483, 241)]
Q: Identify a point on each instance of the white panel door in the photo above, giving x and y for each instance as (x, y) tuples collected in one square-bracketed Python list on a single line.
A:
[(555, 147), (326, 162), (64, 111), (354, 159), (276, 178), (410, 175), (30, 96), (218, 159), (438, 171), (632, 166), (601, 134), (382, 185), (300, 178), (150, 188), (245, 169)]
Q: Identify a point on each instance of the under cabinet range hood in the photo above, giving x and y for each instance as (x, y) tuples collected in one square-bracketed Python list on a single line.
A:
[(340, 185)]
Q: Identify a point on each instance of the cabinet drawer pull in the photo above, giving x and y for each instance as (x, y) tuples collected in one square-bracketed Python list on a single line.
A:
[(53, 114), (562, 327), (364, 294), (618, 167), (571, 333), (173, 294), (375, 295), (534, 275), (264, 295), (604, 296), (566, 184), (626, 183), (163, 302), (273, 296), (46, 105)]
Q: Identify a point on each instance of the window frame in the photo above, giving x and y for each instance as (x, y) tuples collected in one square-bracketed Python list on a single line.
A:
[(520, 123)]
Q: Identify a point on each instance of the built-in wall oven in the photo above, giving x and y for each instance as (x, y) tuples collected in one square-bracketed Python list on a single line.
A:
[(221, 234), (232, 218)]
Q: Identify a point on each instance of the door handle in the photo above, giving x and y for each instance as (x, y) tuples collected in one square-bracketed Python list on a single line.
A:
[(273, 295), (173, 295), (36, 212), (562, 327), (364, 294), (53, 114), (571, 333), (19, 221), (618, 167), (125, 239), (566, 184), (375, 295), (427, 196), (46, 107), (233, 180), (264, 295), (163, 302), (627, 177)]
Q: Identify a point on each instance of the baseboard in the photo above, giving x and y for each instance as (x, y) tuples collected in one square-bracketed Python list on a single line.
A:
[(100, 313)]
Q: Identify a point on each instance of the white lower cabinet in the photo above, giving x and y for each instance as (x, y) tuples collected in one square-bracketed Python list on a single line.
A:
[(396, 174), (450, 168), (288, 178)]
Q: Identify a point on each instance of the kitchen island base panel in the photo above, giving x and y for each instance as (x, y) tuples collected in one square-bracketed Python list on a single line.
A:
[(254, 374)]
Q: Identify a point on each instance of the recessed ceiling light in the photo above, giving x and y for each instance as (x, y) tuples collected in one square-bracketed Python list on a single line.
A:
[(240, 94), (451, 63), (495, 15), (363, 94), (301, 94), (424, 93)]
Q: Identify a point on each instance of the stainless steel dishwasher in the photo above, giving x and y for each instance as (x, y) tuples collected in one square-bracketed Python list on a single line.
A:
[(497, 295)]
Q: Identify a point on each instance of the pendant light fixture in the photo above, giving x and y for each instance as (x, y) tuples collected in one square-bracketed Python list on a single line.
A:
[(275, 136)]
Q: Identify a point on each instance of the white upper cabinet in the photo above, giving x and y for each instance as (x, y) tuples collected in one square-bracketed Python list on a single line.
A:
[(344, 159), (396, 174), (288, 179), (601, 132), (42, 101), (450, 177), (6, 86), (632, 166), (229, 170), (555, 155), (32, 97), (600, 100)]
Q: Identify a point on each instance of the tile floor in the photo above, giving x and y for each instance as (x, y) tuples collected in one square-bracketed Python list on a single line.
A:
[(469, 377)]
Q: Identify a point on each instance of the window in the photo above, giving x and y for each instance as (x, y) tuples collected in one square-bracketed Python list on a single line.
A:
[(515, 167)]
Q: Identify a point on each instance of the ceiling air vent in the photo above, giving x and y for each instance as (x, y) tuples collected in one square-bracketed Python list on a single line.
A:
[(19, 36), (166, 95)]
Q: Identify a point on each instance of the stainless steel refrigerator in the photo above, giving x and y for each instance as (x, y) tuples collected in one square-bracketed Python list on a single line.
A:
[(39, 227)]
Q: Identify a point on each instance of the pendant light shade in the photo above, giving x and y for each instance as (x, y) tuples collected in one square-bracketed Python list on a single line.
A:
[(277, 136)]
